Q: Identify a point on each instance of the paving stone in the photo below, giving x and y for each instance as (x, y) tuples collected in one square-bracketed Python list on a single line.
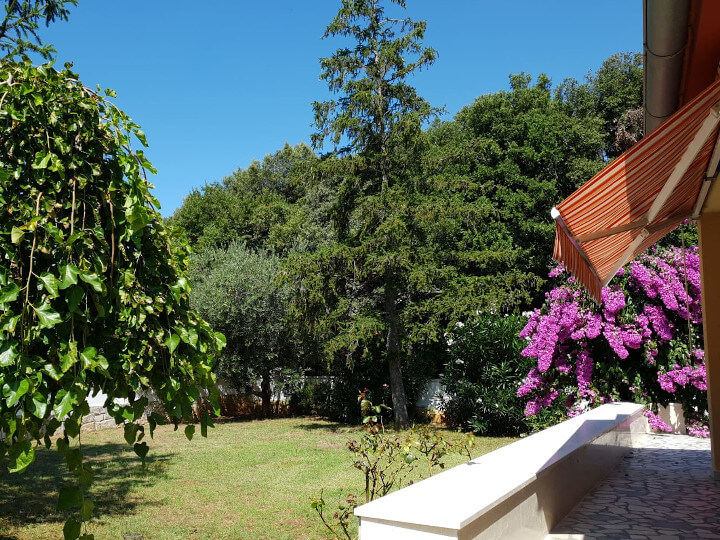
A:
[(663, 490)]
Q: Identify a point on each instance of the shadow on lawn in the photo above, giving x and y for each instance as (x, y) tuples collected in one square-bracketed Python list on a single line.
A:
[(31, 497), (334, 427)]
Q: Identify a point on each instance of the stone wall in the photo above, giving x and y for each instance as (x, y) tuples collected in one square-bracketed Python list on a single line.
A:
[(98, 419)]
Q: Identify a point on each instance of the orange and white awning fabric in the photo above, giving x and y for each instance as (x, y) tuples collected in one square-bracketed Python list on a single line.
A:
[(641, 196)]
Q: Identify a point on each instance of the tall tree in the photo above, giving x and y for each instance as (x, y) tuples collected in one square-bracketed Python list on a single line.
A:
[(19, 26), (376, 121)]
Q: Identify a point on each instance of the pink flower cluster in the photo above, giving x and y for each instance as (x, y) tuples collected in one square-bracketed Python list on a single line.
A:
[(698, 429), (637, 337), (682, 376), (656, 423)]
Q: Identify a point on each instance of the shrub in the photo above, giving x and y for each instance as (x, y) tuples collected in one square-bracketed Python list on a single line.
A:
[(482, 376), (642, 343)]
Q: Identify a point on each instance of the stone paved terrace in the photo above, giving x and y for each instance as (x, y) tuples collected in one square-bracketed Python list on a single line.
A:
[(662, 490)]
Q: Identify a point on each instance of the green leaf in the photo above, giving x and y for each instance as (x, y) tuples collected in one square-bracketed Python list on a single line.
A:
[(94, 280), (68, 360), (220, 341), (86, 509), (16, 235), (68, 274), (172, 342), (7, 354), (73, 297), (47, 316), (21, 455), (51, 284), (15, 390), (131, 433), (70, 497), (39, 405), (53, 371), (141, 449), (189, 432), (41, 160), (63, 404), (10, 323), (71, 530), (85, 474), (9, 292), (87, 356), (74, 458)]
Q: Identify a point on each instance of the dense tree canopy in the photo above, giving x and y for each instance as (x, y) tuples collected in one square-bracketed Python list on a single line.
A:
[(256, 205), (454, 218)]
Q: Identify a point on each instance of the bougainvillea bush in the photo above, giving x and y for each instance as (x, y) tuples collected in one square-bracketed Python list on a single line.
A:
[(642, 343)]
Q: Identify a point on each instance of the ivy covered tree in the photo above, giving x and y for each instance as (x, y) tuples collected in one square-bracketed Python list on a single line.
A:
[(94, 297)]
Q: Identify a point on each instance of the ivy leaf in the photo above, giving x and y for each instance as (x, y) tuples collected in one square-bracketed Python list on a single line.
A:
[(15, 390), (51, 284), (21, 455), (131, 433), (172, 342), (86, 509), (68, 360), (41, 160), (7, 354), (71, 530), (63, 404), (53, 371), (39, 405), (73, 298), (47, 315), (88, 356), (16, 235), (9, 292), (93, 280), (68, 275), (70, 497), (189, 432), (141, 449), (10, 323)]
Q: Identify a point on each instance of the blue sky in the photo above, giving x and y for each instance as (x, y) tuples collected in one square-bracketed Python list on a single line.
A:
[(217, 84)]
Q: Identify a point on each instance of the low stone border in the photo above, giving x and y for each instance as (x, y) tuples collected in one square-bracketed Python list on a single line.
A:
[(519, 491)]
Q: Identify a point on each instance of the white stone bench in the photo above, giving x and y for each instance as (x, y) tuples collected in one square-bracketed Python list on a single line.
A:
[(519, 491)]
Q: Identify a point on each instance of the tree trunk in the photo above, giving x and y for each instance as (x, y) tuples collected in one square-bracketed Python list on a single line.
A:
[(266, 396), (397, 386)]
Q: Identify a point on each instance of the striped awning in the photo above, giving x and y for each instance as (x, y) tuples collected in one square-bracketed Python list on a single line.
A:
[(641, 196)]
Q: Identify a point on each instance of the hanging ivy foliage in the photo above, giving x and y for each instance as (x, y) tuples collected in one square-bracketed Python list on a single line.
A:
[(93, 294)]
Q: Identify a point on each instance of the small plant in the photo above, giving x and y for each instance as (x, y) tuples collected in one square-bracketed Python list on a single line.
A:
[(386, 461)]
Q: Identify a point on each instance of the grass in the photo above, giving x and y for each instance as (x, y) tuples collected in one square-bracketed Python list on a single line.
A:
[(248, 479)]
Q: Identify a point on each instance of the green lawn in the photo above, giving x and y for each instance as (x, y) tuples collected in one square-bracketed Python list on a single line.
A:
[(246, 480)]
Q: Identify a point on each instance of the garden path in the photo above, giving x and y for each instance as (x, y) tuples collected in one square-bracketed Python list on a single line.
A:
[(662, 490)]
